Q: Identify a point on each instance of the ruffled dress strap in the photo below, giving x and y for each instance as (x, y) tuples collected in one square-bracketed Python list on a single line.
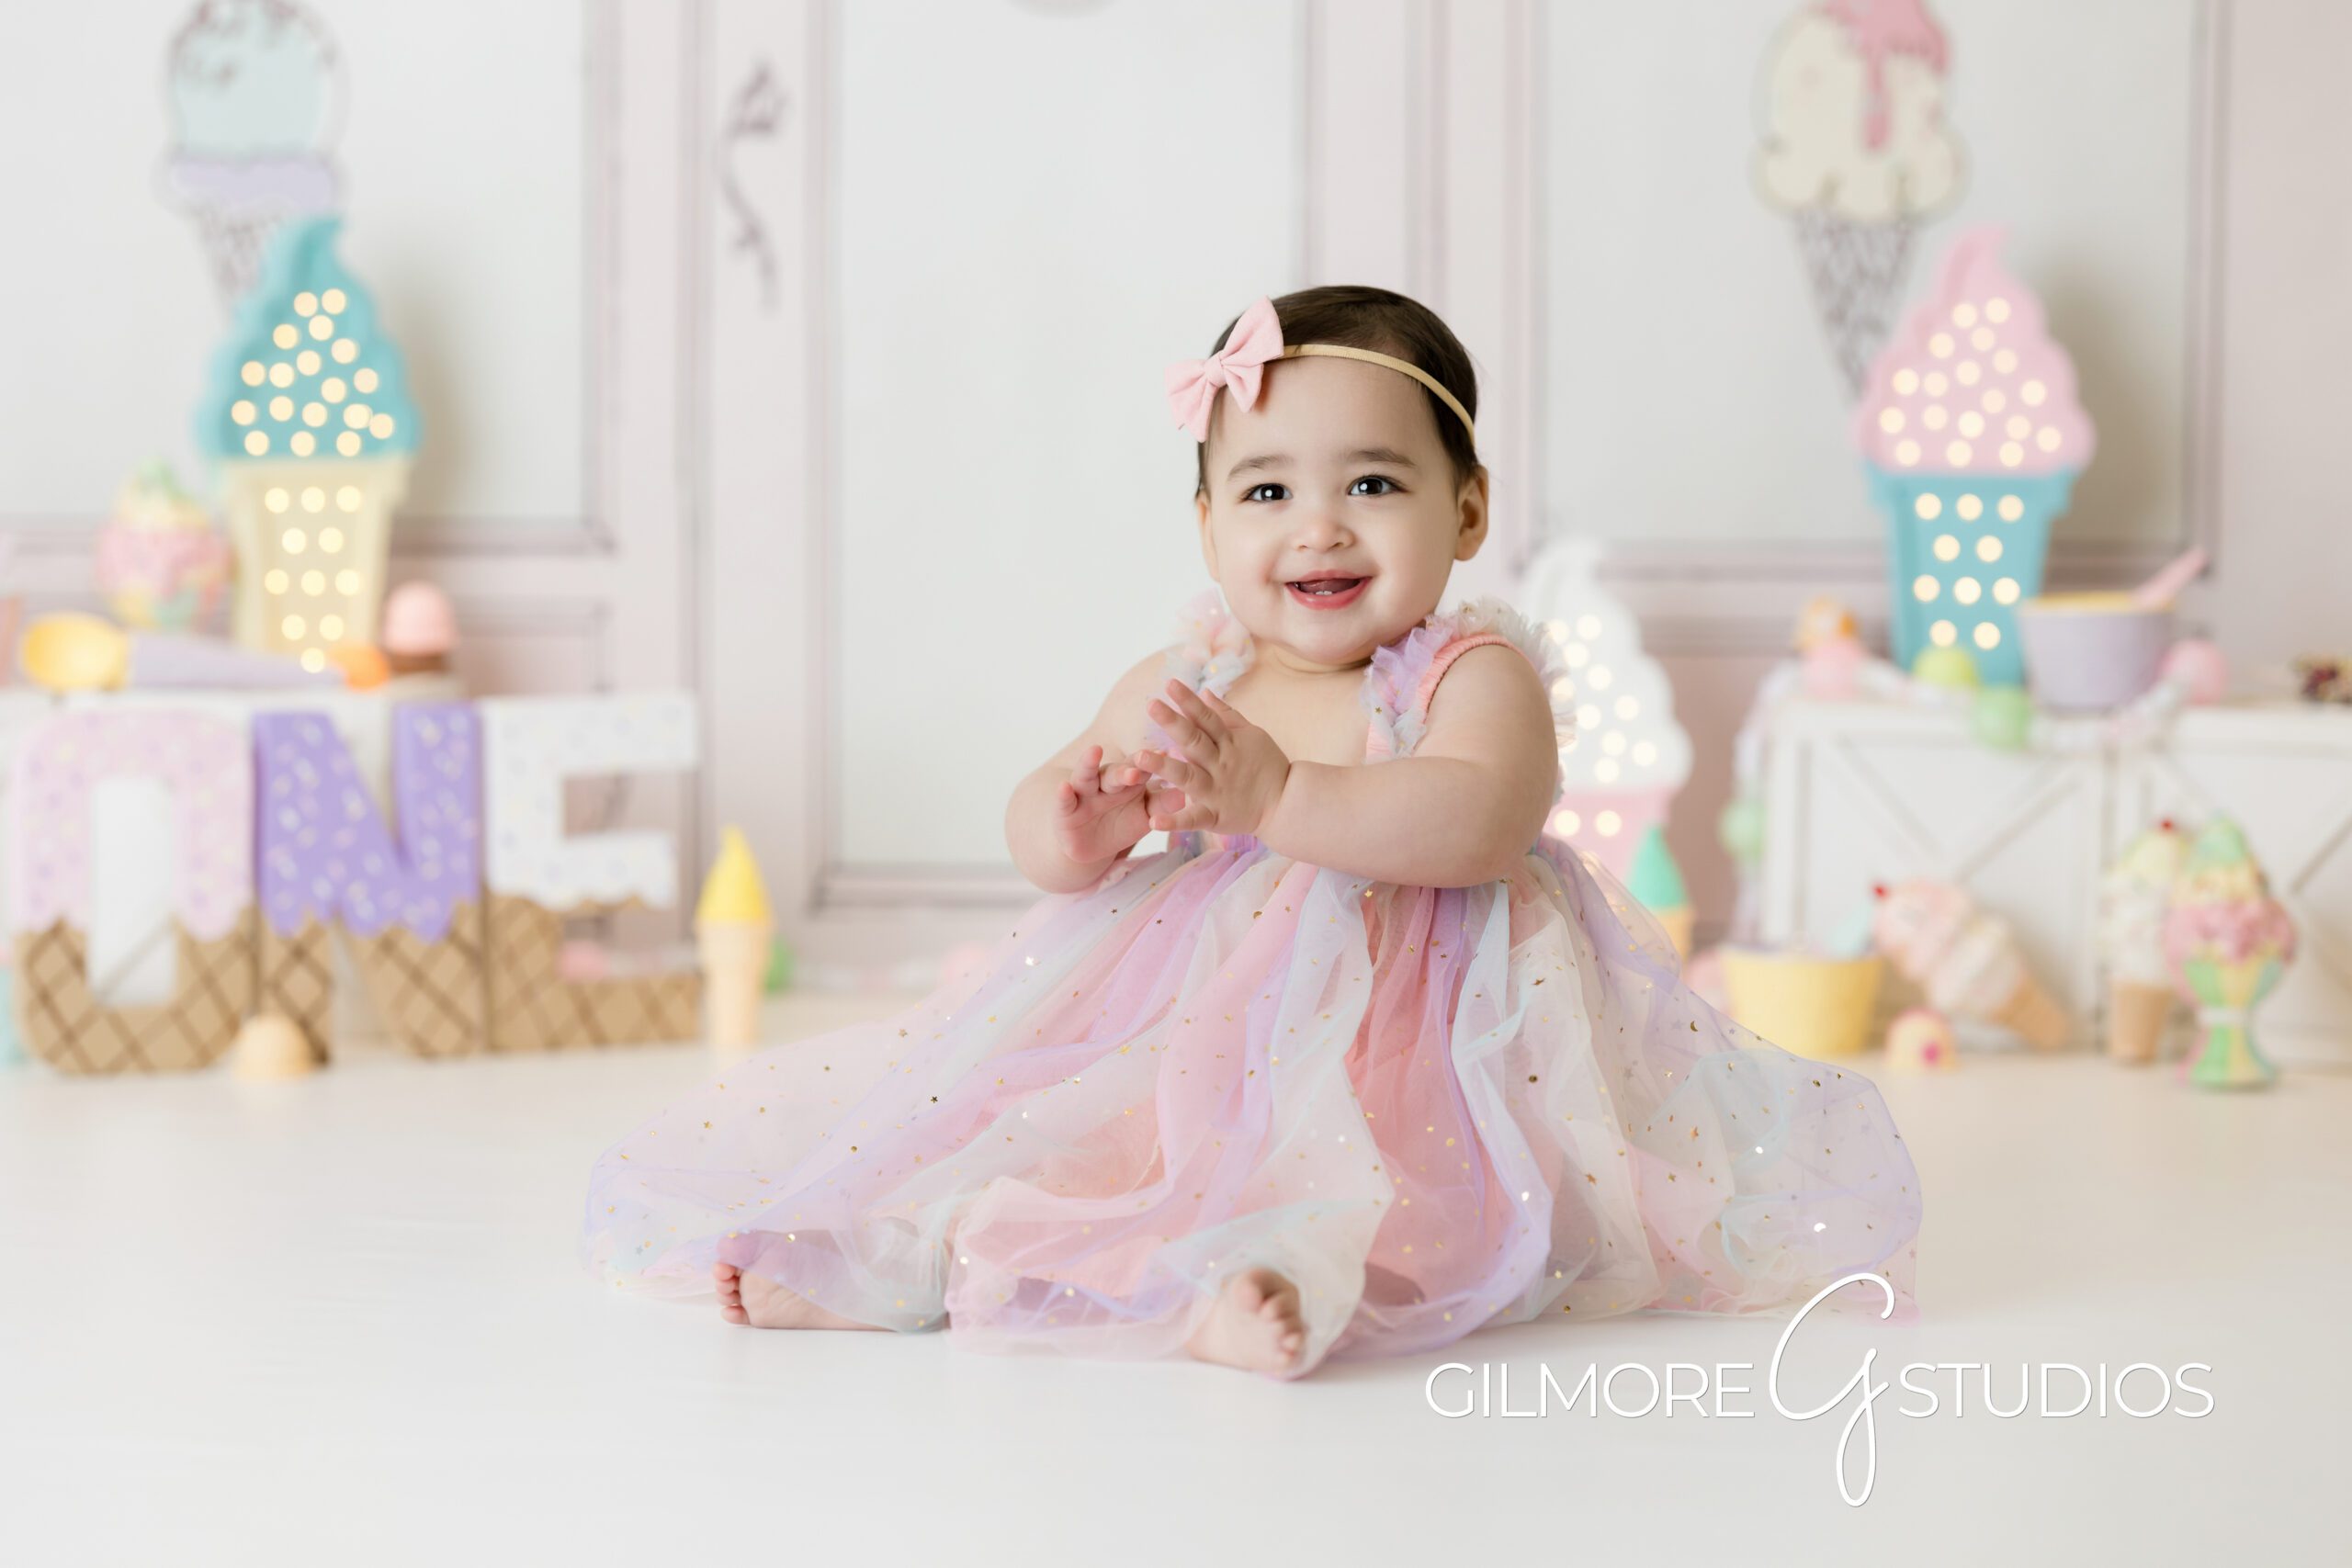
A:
[(1404, 675), (1212, 647)]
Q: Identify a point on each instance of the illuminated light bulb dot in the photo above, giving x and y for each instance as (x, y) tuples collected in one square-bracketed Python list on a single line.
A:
[(381, 428), (2005, 360), (1628, 709), (2011, 454), (2006, 591), (1967, 372), (281, 408), (1609, 822), (1934, 416), (330, 627), (276, 500), (1935, 384), (2011, 508), (1599, 679), (1987, 635), (331, 539), (275, 579), (363, 380), (252, 372), (348, 444), (347, 498), (1968, 591), (1577, 654), (314, 413), (1563, 688), (314, 581), (345, 351), (1963, 314), (346, 582), (1958, 454), (1982, 338), (1605, 770), (281, 373), (1589, 627), (1644, 753), (1906, 453), (314, 660), (1906, 381), (303, 443), (241, 410), (1924, 587), (332, 389), (2033, 392), (306, 303), (332, 300), (1943, 634), (1588, 716), (1997, 310), (314, 499), (291, 541), (292, 627), (1971, 424), (2018, 427), (1988, 548), (1970, 508), (1557, 630), (1891, 421), (322, 327), (1994, 399), (286, 336), (2048, 439), (1929, 507), (356, 416), (1613, 742), (1941, 345), (1566, 824), (256, 442), (307, 362), (1947, 547)]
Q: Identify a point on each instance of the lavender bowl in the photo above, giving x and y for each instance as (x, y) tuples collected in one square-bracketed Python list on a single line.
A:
[(2088, 652)]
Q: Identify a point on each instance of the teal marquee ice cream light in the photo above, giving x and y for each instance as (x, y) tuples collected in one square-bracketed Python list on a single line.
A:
[(1972, 437), (307, 414)]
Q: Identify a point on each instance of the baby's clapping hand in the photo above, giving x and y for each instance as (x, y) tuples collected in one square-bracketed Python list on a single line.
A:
[(1231, 773), (1101, 811)]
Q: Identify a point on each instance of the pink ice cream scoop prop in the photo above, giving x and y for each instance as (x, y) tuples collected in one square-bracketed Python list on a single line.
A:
[(1971, 437), (1967, 962), (2228, 941)]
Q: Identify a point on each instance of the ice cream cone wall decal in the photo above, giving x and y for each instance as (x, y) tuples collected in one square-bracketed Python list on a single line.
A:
[(1972, 438), (1626, 756), (255, 91), (306, 413), (1856, 152)]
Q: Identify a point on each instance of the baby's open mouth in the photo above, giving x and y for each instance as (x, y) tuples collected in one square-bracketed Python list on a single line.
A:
[(1326, 586)]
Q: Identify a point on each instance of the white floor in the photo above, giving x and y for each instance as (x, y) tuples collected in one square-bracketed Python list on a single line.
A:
[(338, 1320)]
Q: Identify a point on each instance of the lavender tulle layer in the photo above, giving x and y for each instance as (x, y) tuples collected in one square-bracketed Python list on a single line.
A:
[(1432, 1110)]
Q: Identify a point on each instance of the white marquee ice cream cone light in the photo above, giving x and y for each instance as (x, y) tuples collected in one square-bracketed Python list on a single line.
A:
[(308, 415), (1627, 756)]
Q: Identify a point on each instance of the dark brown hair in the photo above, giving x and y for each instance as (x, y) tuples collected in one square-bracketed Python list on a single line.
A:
[(1359, 316)]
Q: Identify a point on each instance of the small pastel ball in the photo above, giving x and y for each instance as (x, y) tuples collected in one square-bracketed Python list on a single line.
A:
[(1741, 829), (2002, 717), (1946, 667), (1833, 669), (2200, 666), (1920, 1040)]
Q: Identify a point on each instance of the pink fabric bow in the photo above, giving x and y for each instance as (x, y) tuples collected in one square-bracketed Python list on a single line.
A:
[(1193, 384)]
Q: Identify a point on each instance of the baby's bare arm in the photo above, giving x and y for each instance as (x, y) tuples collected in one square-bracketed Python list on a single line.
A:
[(1030, 816), (1462, 810)]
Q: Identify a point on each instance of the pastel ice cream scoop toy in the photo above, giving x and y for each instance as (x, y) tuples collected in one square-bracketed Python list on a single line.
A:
[(2227, 941), (1972, 436), (1967, 962), (2135, 897), (161, 564)]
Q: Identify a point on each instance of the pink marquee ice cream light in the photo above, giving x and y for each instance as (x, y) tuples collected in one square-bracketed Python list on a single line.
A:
[(1973, 436)]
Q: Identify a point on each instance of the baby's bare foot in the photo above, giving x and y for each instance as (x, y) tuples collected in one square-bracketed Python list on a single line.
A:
[(1255, 1325), (761, 1302)]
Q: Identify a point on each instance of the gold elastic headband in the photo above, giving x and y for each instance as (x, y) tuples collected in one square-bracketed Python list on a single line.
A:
[(1338, 351)]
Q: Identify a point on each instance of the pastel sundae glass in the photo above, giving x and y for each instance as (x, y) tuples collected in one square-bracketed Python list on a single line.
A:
[(2228, 940)]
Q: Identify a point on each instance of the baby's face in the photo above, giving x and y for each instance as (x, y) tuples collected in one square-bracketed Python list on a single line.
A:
[(1335, 469)]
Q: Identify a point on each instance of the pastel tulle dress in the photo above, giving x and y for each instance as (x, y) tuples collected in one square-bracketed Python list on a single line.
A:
[(1433, 1109)]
